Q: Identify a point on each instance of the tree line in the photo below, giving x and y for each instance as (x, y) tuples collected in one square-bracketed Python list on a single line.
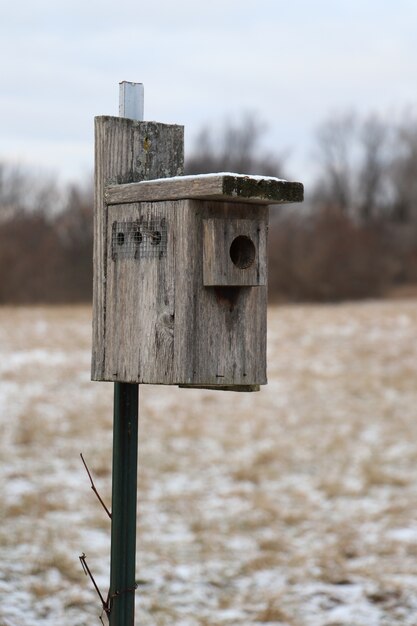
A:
[(358, 237), (46, 239), (354, 236)]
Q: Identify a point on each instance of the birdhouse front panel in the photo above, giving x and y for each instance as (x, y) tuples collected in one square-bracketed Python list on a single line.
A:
[(222, 328), (165, 322), (234, 252)]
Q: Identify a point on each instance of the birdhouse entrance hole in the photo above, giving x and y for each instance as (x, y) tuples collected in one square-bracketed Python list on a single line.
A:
[(242, 252)]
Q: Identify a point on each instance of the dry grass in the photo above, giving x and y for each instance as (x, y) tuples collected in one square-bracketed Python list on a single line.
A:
[(294, 506)]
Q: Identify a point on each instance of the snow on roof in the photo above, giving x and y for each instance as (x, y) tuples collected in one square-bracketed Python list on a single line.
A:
[(216, 175)]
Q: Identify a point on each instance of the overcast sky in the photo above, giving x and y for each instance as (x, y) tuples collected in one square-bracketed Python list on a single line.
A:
[(293, 62)]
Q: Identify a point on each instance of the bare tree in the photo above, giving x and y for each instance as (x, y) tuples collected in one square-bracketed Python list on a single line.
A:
[(334, 154), (354, 160), (403, 173), (373, 169), (45, 239), (235, 147), (74, 228), (13, 189), (22, 190)]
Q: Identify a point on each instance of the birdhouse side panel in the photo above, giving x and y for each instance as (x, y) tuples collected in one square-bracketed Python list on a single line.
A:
[(140, 302)]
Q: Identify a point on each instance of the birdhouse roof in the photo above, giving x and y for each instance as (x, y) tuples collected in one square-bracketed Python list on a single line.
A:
[(224, 186)]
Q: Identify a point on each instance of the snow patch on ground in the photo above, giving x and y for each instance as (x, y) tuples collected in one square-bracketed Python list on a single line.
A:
[(293, 506)]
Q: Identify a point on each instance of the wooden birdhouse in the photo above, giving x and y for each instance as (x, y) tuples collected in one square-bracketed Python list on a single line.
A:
[(186, 292), (184, 266)]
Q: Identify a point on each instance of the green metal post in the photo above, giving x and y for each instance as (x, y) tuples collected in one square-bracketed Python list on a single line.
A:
[(124, 498)]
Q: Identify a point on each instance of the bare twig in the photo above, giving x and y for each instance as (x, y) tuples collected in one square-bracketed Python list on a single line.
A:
[(93, 487), (87, 572), (106, 604)]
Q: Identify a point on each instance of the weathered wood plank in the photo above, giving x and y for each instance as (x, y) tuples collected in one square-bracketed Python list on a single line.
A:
[(226, 187), (238, 388), (219, 332), (140, 301), (234, 252), (163, 325), (126, 151)]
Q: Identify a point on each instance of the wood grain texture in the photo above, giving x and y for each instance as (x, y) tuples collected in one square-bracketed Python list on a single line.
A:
[(163, 326), (234, 252), (155, 321), (140, 307), (225, 339), (126, 151), (225, 187), (238, 388)]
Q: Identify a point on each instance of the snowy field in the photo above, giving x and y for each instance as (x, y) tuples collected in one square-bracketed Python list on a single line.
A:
[(295, 506)]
